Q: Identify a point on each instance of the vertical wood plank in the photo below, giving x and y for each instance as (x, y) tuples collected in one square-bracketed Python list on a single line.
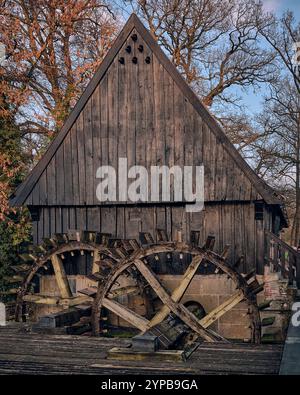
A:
[(96, 140), (81, 159), (68, 173), (60, 176), (104, 120), (112, 95), (132, 81), (88, 153), (43, 196), (75, 165)]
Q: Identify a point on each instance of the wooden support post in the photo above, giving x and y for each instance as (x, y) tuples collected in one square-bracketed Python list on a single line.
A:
[(61, 277)]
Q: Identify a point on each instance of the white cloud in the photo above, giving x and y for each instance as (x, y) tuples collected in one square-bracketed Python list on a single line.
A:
[(272, 5)]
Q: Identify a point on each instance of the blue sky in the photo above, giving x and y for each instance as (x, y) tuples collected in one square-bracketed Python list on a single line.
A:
[(280, 6), (253, 100)]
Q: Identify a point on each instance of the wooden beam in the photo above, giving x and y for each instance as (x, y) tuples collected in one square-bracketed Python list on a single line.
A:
[(75, 301), (162, 356), (61, 277), (13, 279), (89, 291), (179, 291), (56, 301), (222, 309), (42, 299), (126, 314), (123, 291), (181, 311)]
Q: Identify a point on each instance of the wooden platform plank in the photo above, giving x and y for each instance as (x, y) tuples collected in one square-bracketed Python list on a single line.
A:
[(29, 353)]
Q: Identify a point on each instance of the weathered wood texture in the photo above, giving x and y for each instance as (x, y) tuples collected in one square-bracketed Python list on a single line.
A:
[(145, 111), (232, 224), (138, 111), (41, 354), (282, 258)]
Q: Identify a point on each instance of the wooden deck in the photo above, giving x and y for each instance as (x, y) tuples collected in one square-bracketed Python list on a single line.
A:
[(26, 353)]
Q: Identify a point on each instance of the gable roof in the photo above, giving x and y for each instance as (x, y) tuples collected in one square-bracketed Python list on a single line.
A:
[(23, 191)]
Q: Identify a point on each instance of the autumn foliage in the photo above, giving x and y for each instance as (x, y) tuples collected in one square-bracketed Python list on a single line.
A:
[(53, 49)]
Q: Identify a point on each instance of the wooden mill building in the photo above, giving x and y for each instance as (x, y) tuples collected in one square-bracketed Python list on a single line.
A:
[(138, 106)]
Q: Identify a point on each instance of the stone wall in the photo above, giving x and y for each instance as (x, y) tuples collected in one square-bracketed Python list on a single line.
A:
[(208, 290), (211, 291)]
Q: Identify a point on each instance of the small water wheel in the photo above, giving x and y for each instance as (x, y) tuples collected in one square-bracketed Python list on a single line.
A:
[(53, 251)]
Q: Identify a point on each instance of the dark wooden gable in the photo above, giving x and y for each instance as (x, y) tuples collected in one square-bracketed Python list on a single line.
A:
[(138, 106)]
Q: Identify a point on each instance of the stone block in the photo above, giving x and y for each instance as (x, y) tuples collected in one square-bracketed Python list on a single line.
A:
[(232, 331), (233, 316), (211, 285)]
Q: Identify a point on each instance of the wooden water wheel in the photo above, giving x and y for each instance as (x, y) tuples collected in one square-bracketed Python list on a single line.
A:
[(142, 260), (117, 262), (53, 252)]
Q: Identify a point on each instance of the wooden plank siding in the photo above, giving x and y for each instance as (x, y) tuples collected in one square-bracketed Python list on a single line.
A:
[(158, 87), (138, 111), (144, 111), (224, 221)]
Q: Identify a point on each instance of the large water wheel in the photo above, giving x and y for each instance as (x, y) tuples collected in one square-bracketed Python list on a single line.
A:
[(128, 267)]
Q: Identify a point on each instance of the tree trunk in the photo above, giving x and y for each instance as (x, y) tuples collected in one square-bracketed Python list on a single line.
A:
[(296, 222)]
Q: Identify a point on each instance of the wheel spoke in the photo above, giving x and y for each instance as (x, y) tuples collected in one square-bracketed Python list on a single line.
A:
[(61, 277), (182, 312), (130, 290), (222, 309), (126, 314), (180, 290)]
